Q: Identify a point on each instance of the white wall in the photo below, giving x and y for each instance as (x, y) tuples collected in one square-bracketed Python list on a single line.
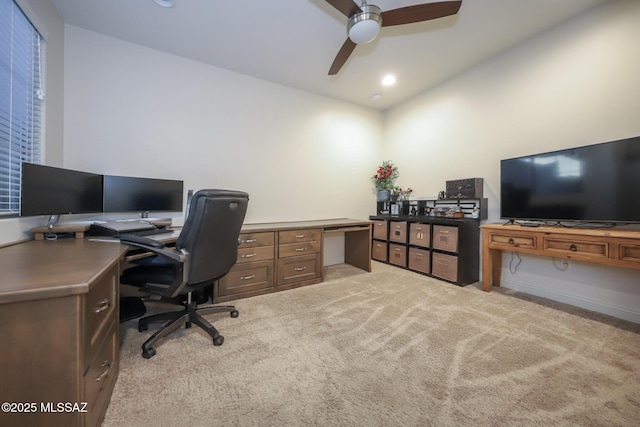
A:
[(577, 84), (131, 110)]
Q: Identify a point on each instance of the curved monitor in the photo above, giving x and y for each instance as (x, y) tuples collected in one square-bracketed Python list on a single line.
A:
[(134, 194), (48, 190)]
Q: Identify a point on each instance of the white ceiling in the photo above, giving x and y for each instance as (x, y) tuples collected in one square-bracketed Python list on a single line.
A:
[(293, 42)]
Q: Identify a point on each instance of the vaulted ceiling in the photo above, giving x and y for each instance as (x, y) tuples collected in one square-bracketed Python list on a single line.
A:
[(294, 42)]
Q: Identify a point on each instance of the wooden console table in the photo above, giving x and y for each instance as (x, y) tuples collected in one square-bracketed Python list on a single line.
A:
[(608, 246)]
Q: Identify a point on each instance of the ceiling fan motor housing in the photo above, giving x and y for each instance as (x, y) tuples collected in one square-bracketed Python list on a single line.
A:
[(363, 27)]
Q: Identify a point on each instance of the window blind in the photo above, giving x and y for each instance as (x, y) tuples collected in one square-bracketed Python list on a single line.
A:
[(20, 101)]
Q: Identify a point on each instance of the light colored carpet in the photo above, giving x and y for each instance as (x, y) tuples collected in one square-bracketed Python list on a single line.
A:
[(389, 347)]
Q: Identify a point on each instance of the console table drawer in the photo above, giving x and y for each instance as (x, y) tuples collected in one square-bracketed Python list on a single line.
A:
[(298, 269), (398, 231), (295, 236), (380, 230), (571, 247), (398, 255), (297, 249), (379, 250), (510, 240), (445, 266), (247, 277), (420, 234), (630, 253), (419, 260), (257, 253), (249, 240), (445, 238)]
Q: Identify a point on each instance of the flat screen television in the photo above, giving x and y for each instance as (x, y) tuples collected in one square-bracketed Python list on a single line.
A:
[(594, 183), (133, 194), (48, 190)]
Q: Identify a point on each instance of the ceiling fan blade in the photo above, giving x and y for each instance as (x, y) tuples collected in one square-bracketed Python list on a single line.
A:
[(346, 7), (342, 56), (419, 13)]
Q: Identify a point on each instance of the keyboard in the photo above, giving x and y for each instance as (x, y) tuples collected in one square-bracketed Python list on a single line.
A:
[(147, 232)]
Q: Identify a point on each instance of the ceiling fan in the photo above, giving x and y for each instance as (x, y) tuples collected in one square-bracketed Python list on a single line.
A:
[(365, 22)]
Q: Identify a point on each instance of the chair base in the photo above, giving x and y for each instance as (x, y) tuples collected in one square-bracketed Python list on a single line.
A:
[(175, 319)]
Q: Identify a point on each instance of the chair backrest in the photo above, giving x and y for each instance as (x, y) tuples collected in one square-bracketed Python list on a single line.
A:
[(210, 233)]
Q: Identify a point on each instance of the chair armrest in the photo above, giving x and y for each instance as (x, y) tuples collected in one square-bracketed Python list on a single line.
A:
[(154, 246)]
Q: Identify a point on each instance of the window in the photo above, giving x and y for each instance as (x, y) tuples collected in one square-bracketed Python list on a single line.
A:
[(20, 101)]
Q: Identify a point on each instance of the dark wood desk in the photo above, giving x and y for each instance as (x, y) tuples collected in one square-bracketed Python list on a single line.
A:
[(59, 326)]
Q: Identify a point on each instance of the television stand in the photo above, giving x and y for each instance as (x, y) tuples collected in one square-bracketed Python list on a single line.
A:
[(617, 248)]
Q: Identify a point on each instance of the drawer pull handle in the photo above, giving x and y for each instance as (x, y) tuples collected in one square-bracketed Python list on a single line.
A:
[(106, 365), (248, 255), (103, 305), (300, 268), (573, 248), (249, 277), (249, 240), (511, 242), (301, 236), (444, 231), (301, 249)]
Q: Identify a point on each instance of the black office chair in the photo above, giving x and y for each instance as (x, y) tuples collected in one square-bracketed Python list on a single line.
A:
[(205, 251)]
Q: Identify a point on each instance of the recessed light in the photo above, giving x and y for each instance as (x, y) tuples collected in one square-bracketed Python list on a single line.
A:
[(388, 80), (165, 3)]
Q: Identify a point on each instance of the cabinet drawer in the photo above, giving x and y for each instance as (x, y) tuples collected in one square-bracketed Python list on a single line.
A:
[(398, 231), (379, 250), (247, 277), (294, 236), (257, 253), (100, 376), (508, 240), (570, 247), (445, 266), (100, 306), (420, 234), (398, 254), (297, 249), (380, 230), (250, 240), (298, 269), (445, 238), (630, 253), (419, 260)]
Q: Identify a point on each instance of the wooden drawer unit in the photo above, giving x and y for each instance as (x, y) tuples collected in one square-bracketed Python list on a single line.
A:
[(299, 257), (398, 254), (246, 279), (380, 230), (630, 253), (573, 246), (296, 270), (420, 234), (379, 251), (419, 259), (398, 231), (99, 311), (445, 238), (101, 375), (254, 270), (508, 241), (445, 266)]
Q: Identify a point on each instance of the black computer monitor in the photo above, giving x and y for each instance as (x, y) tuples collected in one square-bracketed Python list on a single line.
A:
[(133, 194), (48, 190)]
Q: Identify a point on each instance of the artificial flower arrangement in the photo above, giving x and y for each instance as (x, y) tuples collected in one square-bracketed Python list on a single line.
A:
[(402, 194), (385, 177)]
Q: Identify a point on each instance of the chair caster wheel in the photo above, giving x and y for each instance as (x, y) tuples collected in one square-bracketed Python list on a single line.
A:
[(218, 341), (234, 313), (148, 353), (142, 328)]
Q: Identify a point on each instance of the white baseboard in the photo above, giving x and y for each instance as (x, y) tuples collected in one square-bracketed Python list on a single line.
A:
[(620, 312)]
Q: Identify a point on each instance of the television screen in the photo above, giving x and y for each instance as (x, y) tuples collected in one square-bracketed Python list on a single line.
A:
[(48, 190), (133, 194), (599, 183)]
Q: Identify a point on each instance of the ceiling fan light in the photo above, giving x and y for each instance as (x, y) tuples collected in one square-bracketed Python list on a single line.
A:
[(363, 27)]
